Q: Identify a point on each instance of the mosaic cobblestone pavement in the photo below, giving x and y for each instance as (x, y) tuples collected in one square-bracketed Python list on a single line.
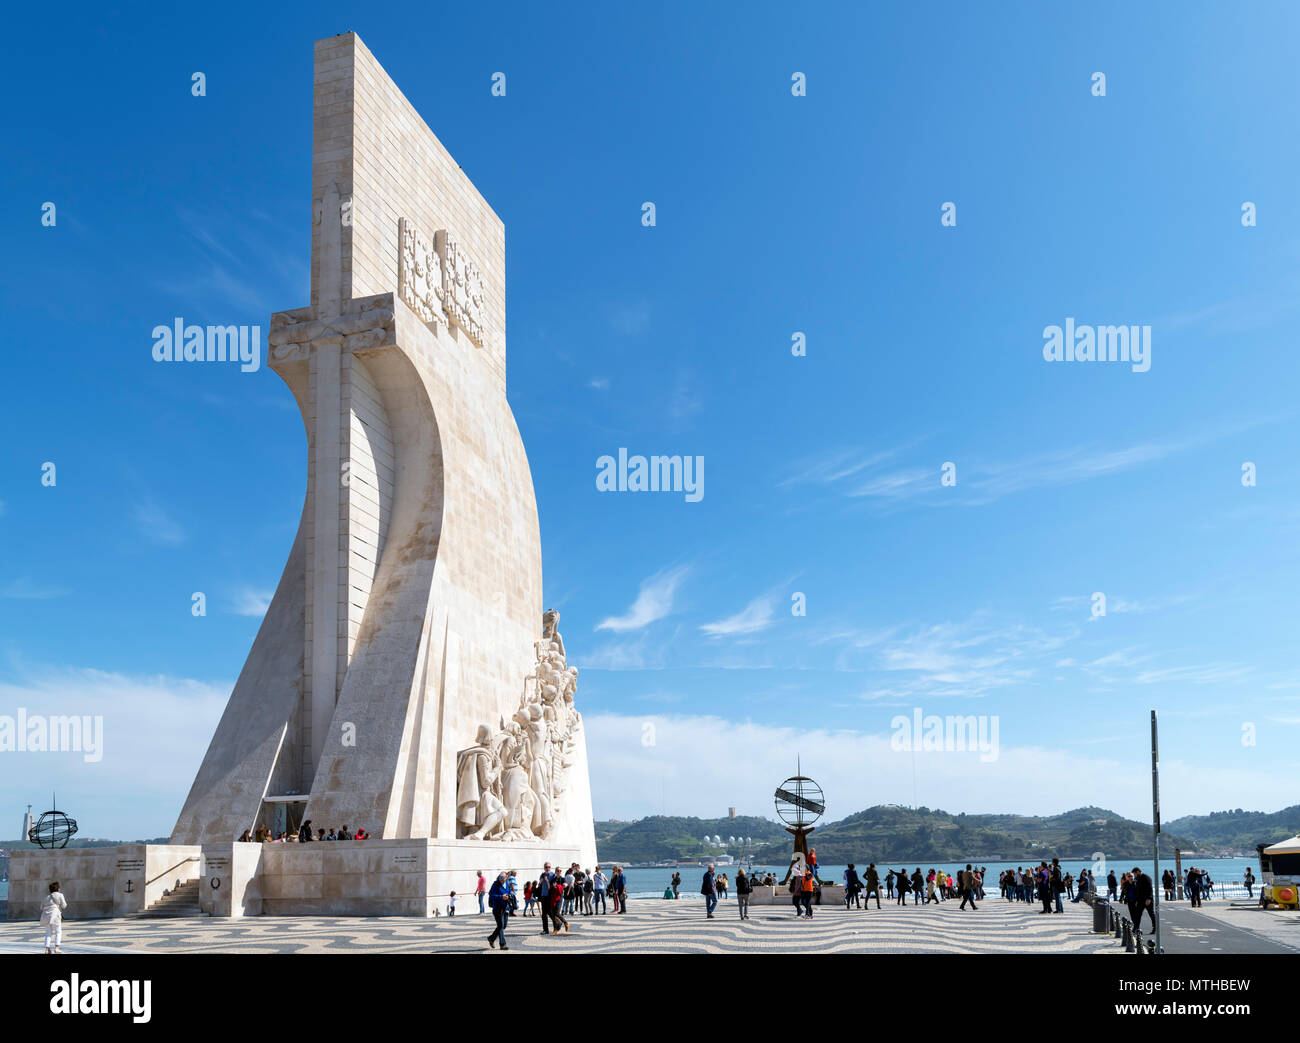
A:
[(650, 926)]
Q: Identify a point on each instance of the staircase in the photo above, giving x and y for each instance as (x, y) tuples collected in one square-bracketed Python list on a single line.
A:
[(179, 901)]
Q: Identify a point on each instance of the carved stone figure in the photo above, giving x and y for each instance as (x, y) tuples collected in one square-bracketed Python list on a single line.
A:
[(510, 783), (479, 810)]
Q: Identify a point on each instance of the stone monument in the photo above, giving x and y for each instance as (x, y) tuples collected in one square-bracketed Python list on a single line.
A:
[(405, 679)]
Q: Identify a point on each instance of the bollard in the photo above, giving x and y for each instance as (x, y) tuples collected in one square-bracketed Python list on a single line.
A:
[(1139, 949), (1128, 937), (1118, 931)]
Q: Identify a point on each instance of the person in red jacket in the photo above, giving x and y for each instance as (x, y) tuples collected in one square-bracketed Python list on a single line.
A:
[(557, 907)]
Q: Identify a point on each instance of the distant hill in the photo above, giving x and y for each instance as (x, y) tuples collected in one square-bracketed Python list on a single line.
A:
[(889, 833), (23, 845), (1238, 830), (661, 837)]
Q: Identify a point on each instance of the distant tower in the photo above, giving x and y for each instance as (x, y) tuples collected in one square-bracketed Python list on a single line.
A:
[(28, 824), (731, 812)]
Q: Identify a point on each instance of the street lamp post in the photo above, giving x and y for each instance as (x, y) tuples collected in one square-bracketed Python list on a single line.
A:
[(1155, 829)]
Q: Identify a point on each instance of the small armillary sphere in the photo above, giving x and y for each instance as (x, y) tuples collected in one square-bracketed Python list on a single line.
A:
[(53, 829)]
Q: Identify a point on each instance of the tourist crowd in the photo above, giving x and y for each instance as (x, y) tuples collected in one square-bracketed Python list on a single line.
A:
[(554, 896), (262, 835)]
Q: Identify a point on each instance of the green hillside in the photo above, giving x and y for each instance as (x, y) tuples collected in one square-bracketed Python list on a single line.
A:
[(891, 833), (662, 837), (1238, 830)]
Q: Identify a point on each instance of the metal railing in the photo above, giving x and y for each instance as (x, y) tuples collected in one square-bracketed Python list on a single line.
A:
[(183, 861)]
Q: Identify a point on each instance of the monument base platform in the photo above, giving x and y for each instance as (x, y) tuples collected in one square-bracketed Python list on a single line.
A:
[(329, 878), (99, 881)]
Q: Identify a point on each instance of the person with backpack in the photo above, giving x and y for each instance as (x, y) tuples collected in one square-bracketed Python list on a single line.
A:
[(796, 885), (499, 899), (1058, 884), (902, 886), (743, 890), (852, 885)]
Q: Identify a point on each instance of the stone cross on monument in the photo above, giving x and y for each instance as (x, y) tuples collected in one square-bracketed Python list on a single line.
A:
[(409, 616)]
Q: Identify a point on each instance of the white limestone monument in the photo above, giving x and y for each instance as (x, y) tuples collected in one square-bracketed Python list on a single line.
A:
[(405, 679), (406, 636)]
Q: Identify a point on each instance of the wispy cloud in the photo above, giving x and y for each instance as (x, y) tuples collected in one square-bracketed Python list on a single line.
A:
[(654, 601), (755, 616), (157, 524), (24, 589), (250, 602), (1207, 673), (860, 475), (598, 383), (835, 466), (1116, 605)]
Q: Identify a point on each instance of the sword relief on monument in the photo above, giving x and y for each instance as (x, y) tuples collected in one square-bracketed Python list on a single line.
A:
[(510, 784), (461, 292), (419, 276)]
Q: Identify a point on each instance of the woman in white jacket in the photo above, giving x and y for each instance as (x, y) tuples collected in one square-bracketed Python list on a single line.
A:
[(52, 917)]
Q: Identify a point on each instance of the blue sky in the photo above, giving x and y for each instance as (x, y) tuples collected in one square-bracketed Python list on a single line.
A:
[(774, 214)]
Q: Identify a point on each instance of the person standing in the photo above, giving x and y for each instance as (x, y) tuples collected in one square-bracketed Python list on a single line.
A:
[(809, 884), (542, 892), (900, 885), (796, 885), (620, 886), (480, 888), (918, 886), (873, 886), (743, 889), (889, 885), (1249, 881), (499, 899), (1058, 884), (1043, 882), (52, 909), (708, 888), (598, 894), (1194, 886), (1112, 886), (557, 904), (966, 885), (852, 885), (1142, 899), (677, 884)]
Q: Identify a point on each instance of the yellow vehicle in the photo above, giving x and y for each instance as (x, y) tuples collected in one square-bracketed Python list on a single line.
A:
[(1279, 874)]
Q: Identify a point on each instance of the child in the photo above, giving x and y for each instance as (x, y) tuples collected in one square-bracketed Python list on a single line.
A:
[(451, 904)]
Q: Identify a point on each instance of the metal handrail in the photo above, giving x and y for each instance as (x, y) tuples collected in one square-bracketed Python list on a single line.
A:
[(192, 858)]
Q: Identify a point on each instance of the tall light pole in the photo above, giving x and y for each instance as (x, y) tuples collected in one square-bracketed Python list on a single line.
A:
[(1155, 828)]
